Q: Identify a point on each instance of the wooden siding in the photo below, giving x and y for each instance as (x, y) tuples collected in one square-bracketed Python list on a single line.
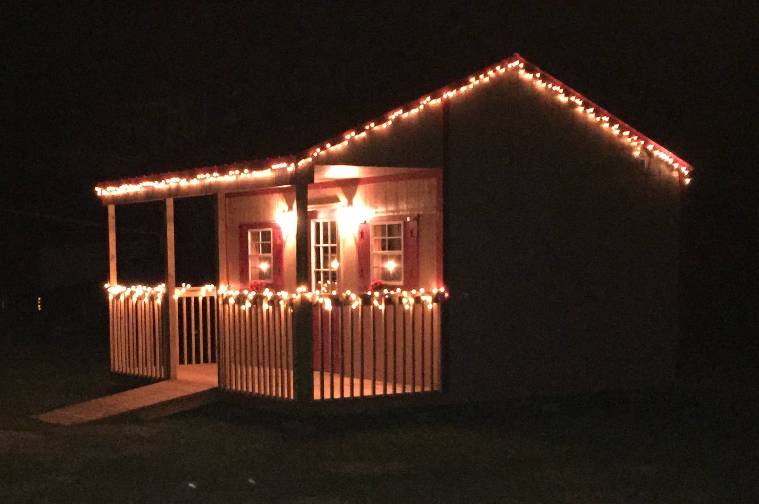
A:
[(554, 222), (414, 197)]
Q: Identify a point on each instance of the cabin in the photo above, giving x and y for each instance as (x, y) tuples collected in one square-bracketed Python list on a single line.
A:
[(500, 237)]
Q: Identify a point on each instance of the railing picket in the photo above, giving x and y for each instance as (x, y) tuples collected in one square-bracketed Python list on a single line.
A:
[(157, 332), (340, 307), (289, 346), (361, 337), (208, 331), (413, 346), (321, 352), (432, 347), (395, 346), (421, 348), (201, 337), (353, 344), (374, 352), (192, 329), (275, 349), (331, 356), (405, 349), (384, 348)]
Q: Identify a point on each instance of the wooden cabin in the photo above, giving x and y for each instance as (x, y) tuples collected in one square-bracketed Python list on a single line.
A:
[(499, 237)]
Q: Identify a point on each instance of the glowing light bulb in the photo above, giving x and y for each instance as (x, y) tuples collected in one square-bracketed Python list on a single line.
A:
[(390, 265), (263, 266), (334, 264)]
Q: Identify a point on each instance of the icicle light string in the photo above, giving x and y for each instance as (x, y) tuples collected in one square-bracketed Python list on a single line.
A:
[(516, 64)]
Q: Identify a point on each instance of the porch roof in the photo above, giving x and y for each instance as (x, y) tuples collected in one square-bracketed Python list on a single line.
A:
[(279, 171), (237, 176)]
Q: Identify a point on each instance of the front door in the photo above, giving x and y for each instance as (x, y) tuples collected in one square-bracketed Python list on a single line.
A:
[(325, 269), (325, 254)]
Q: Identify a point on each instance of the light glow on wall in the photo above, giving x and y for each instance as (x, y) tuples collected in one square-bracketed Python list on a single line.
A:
[(341, 172), (287, 220), (350, 216)]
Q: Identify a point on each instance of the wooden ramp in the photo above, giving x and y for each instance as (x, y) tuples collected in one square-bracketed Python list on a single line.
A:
[(151, 401)]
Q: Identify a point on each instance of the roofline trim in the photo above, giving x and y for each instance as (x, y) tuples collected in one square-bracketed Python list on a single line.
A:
[(527, 72)]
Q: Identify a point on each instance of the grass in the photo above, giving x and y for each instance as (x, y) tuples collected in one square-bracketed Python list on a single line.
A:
[(585, 450)]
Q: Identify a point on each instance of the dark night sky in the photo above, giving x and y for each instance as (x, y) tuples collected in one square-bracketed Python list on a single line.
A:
[(96, 91)]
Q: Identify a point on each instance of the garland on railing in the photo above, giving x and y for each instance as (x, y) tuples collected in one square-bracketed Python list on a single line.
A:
[(328, 299), (246, 298), (135, 292)]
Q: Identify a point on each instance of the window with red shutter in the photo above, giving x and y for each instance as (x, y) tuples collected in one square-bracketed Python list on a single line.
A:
[(261, 255)]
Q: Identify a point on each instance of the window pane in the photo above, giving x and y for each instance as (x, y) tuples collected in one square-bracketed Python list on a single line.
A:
[(266, 248), (394, 230), (266, 236), (394, 244)]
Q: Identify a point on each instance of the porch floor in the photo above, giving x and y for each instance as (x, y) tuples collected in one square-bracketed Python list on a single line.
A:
[(193, 388)]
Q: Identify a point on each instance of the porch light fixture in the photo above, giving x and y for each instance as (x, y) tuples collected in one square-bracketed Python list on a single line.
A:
[(349, 217), (287, 220)]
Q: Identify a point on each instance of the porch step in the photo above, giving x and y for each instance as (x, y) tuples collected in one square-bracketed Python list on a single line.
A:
[(151, 401)]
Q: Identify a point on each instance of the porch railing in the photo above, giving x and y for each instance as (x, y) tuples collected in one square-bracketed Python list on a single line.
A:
[(255, 347), (196, 313), (388, 346), (135, 329), (378, 344)]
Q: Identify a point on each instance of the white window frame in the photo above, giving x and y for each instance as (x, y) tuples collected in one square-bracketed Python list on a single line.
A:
[(318, 248), (259, 255), (375, 253)]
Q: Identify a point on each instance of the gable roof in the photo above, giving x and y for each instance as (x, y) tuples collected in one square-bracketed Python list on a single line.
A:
[(528, 73)]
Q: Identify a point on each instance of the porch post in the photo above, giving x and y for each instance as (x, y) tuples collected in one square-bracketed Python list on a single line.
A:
[(170, 322), (221, 238), (303, 378), (112, 276)]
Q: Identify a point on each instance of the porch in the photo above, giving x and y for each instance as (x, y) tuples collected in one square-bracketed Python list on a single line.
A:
[(289, 344)]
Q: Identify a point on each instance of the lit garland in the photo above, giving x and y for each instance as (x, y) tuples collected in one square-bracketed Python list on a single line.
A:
[(136, 292), (211, 177), (246, 298), (595, 114)]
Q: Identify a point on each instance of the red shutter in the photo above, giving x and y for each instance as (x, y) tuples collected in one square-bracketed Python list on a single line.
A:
[(363, 250), (244, 259), (277, 255), (411, 254)]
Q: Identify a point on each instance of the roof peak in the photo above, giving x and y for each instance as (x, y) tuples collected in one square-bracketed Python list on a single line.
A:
[(516, 63)]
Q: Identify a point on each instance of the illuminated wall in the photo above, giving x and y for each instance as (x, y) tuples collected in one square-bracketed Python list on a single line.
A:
[(414, 197)]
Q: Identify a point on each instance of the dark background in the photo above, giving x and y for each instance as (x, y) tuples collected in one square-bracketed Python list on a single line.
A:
[(93, 91)]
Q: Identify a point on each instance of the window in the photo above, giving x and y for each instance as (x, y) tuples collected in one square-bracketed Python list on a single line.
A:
[(260, 259), (387, 252), (324, 254)]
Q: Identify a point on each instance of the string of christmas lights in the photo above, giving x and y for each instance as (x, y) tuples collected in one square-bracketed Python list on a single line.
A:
[(565, 95), (136, 292), (266, 298)]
